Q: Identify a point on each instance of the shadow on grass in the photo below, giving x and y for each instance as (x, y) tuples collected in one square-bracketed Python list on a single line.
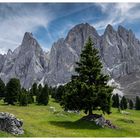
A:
[(126, 120), (80, 124)]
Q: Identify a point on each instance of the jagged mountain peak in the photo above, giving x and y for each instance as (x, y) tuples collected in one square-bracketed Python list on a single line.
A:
[(81, 25), (121, 28), (9, 52), (29, 42), (109, 29), (119, 51), (27, 36), (126, 35), (82, 29)]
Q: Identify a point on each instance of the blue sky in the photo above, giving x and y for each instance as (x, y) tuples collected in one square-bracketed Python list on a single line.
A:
[(50, 21)]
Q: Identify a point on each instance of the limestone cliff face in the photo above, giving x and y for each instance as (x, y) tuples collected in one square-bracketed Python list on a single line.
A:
[(27, 62), (119, 51), (65, 52)]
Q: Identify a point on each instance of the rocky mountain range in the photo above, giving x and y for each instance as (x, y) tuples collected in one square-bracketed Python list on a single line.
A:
[(119, 51)]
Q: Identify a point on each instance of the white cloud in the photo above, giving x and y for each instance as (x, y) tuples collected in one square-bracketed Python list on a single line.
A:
[(117, 13), (12, 28), (16, 19)]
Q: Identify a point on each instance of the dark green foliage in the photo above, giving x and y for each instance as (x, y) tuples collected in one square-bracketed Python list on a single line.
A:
[(23, 98), (13, 90), (43, 97), (38, 93), (88, 90), (53, 92), (59, 92), (30, 96), (34, 89), (123, 103), (2, 89), (71, 98), (50, 88), (115, 100), (131, 105), (137, 105), (33, 92)]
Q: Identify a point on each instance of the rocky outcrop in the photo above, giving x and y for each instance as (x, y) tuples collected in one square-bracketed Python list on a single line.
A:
[(28, 62), (119, 51), (99, 120), (9, 123), (65, 52)]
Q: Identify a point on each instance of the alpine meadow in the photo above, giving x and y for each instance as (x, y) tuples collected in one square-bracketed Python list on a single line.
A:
[(69, 70)]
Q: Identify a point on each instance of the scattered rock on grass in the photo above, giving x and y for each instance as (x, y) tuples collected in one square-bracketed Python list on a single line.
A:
[(125, 113), (9, 123), (52, 109), (73, 111), (99, 120)]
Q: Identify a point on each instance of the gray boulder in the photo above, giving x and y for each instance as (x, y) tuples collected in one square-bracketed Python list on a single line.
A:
[(9, 123)]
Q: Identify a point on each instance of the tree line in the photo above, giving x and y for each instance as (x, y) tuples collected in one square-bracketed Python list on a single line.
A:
[(87, 90), (124, 103), (12, 93), (120, 102)]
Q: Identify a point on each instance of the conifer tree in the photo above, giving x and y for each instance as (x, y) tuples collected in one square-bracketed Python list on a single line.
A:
[(34, 89), (13, 89), (43, 97), (123, 103), (38, 93), (137, 105), (30, 96), (23, 98), (2, 89), (59, 93), (115, 100), (88, 90), (53, 92), (131, 105)]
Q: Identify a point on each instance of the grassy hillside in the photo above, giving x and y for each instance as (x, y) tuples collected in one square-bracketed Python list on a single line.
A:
[(42, 121)]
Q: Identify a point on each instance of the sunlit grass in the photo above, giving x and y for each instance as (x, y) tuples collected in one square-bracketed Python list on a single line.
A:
[(41, 121)]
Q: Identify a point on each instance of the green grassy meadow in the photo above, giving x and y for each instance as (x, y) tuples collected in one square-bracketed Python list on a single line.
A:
[(42, 121)]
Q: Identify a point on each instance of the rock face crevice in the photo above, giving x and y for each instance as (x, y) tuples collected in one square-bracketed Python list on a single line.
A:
[(119, 51)]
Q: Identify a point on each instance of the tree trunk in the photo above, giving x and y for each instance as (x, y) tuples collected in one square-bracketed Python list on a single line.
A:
[(90, 112)]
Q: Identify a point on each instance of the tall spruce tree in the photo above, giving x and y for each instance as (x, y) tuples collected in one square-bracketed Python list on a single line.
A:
[(88, 90), (137, 105), (59, 93), (123, 103), (30, 96), (38, 93), (23, 97), (115, 100), (131, 104), (44, 96), (2, 89), (13, 90), (34, 89)]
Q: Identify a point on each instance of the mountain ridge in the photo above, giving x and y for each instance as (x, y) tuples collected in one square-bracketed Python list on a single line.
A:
[(119, 51)]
